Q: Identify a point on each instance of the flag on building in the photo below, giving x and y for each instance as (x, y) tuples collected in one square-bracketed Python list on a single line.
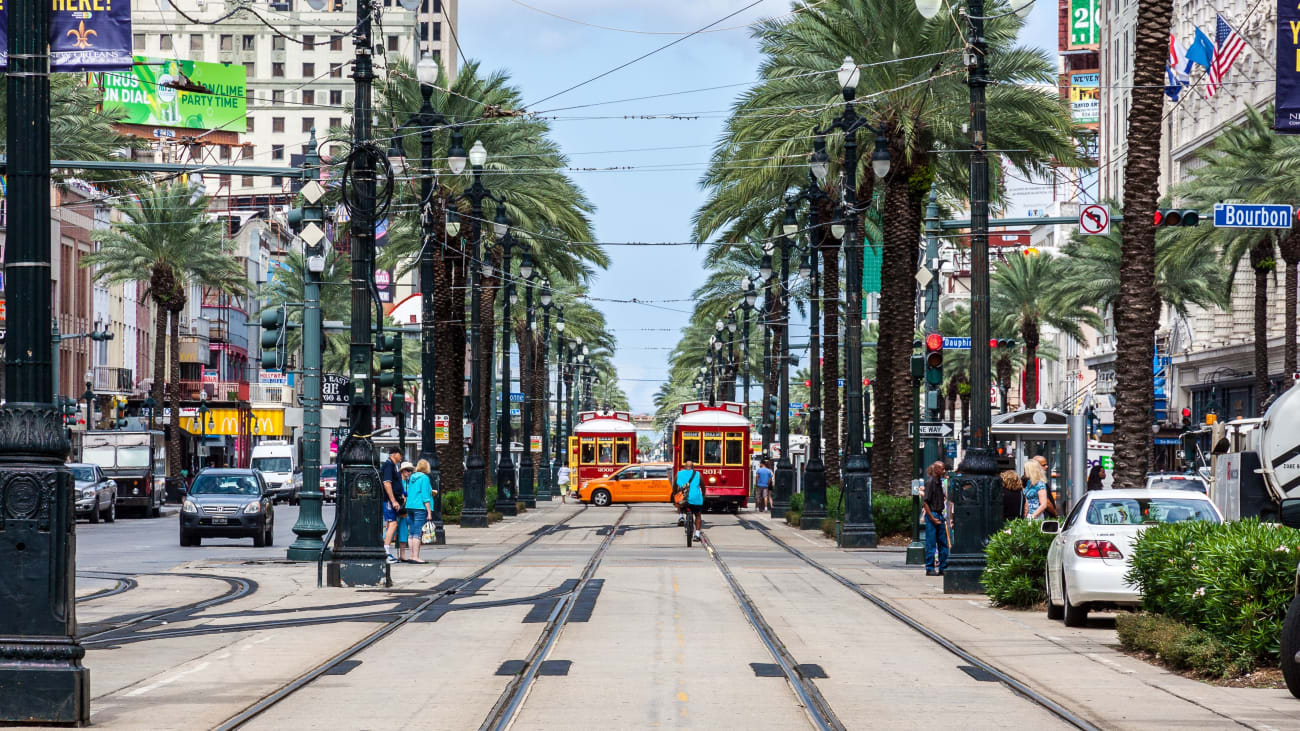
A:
[(1201, 52), (1175, 75), (1228, 46)]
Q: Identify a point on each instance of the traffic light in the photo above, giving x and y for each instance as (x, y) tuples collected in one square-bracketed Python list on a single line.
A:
[(1177, 217), (273, 338), (995, 343), (100, 335), (918, 366), (390, 363), (773, 408), (1187, 419), (934, 359)]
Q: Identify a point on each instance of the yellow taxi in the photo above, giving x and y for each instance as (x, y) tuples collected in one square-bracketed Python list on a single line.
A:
[(636, 483)]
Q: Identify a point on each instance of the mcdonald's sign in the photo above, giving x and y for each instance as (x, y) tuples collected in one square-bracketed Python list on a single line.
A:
[(225, 422)]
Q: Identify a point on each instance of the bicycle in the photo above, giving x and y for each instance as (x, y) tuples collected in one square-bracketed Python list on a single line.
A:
[(690, 527)]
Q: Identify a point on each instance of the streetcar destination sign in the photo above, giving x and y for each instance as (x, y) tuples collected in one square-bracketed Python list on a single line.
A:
[(1262, 215)]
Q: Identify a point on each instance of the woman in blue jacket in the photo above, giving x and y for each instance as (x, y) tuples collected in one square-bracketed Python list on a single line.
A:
[(419, 508)]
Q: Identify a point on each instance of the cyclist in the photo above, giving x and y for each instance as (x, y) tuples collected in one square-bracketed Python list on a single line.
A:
[(688, 482)]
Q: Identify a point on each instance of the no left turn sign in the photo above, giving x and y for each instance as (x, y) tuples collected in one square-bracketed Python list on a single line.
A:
[(1094, 219)]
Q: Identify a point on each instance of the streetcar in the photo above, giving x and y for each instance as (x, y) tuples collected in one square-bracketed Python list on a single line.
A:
[(716, 439), (603, 443)]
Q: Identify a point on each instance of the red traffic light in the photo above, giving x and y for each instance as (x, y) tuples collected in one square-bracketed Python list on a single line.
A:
[(1159, 217), (1187, 413), (807, 383), (993, 342), (866, 381), (934, 341)]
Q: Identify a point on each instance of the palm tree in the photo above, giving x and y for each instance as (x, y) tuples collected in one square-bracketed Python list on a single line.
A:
[(754, 163), (168, 240), (1025, 294)]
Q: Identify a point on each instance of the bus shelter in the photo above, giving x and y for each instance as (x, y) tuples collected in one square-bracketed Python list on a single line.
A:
[(1022, 435)]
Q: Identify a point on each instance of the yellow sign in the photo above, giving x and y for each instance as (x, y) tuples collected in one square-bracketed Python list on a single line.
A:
[(261, 422)]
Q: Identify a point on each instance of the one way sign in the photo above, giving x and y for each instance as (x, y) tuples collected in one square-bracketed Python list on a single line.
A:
[(934, 429)]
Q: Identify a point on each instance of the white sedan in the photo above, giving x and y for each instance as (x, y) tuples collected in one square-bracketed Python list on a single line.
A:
[(1088, 558)]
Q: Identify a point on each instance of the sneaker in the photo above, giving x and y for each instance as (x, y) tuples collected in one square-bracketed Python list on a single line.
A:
[(681, 520), (697, 535), (392, 559)]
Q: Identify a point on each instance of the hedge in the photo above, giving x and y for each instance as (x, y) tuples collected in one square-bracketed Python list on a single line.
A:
[(1233, 580), (1179, 646), (1016, 571)]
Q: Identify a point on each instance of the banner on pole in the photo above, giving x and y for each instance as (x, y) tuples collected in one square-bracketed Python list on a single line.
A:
[(1287, 86), (85, 35)]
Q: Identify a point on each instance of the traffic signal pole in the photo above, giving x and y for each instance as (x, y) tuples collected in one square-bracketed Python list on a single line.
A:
[(930, 447)]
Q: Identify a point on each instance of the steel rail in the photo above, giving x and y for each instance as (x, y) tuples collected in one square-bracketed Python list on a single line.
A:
[(238, 588)]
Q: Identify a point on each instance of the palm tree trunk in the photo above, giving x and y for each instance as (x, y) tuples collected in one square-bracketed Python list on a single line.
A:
[(1137, 305), (1261, 263), (174, 402), (1029, 331), (449, 377), (831, 352), (896, 331), (487, 361), (159, 358), (1291, 255)]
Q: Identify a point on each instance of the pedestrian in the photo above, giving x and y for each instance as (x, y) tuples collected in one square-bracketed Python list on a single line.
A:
[(562, 477), (763, 484), (391, 476), (934, 507), (1038, 500), (419, 507), (1095, 476), (1013, 497)]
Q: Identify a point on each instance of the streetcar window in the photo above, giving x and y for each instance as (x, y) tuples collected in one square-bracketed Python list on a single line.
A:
[(588, 451), (712, 448), (606, 451), (623, 451), (691, 447), (735, 451)]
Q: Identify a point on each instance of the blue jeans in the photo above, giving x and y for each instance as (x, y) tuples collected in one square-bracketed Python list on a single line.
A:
[(936, 534)]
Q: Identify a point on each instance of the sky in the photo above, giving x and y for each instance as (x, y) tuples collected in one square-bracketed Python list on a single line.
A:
[(544, 55)]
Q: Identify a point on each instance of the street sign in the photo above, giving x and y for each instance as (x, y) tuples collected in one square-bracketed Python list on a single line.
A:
[(795, 405), (1094, 219), (956, 343), (334, 389), (933, 429), (515, 412), (535, 443), (1261, 215), (950, 449)]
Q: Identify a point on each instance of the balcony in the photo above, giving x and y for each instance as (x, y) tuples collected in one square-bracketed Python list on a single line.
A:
[(217, 391), (269, 394), (110, 379)]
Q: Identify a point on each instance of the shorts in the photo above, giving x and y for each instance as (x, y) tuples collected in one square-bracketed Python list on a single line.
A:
[(390, 513), (415, 520), (692, 509), (765, 492)]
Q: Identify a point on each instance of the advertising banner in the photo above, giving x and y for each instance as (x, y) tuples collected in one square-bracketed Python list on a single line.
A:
[(1287, 86), (1085, 98), (85, 35), (1085, 31), (144, 95)]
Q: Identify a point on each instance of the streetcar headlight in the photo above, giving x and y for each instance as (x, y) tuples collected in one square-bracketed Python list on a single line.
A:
[(713, 480)]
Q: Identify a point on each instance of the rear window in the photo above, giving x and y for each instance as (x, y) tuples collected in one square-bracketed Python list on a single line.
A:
[(329, 470), (1176, 483), (1140, 511), (85, 474)]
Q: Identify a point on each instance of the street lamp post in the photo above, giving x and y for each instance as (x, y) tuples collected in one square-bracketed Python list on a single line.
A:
[(203, 430), (505, 480), (526, 366), (561, 441), (89, 396), (750, 297), (546, 478), (731, 355), (859, 527), (814, 480), (784, 482), (769, 307)]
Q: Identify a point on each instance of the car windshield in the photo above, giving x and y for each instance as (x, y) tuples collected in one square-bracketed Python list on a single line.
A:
[(329, 470), (1140, 510), (273, 464), (1176, 483), (133, 456), (102, 456), (224, 485), (84, 474)]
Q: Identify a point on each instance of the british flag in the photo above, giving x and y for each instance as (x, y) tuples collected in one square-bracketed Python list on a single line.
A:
[(1227, 46)]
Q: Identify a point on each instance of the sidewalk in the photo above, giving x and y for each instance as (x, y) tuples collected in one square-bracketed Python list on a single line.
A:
[(1081, 668)]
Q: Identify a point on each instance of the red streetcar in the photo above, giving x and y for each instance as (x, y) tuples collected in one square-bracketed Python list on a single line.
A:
[(716, 439), (603, 442)]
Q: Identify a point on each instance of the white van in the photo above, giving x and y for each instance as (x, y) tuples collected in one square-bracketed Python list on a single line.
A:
[(278, 463)]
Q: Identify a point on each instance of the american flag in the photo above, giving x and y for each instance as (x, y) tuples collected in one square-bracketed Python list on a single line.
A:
[(1227, 46)]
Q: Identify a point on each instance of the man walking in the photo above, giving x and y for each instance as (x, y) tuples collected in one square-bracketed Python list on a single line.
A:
[(763, 486), (394, 499), (936, 523)]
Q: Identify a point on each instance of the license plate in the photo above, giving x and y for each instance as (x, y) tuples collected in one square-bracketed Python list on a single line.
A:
[(219, 521)]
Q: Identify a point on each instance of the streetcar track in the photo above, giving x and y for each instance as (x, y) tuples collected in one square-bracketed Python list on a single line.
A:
[(123, 585), (305, 679), (238, 588), (1002, 677), (516, 691), (810, 698)]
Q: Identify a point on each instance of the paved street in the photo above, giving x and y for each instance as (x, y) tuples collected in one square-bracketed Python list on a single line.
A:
[(600, 618)]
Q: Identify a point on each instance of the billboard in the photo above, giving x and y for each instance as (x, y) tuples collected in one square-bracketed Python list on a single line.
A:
[(84, 36), (144, 96), (1085, 98), (1287, 86), (1085, 30)]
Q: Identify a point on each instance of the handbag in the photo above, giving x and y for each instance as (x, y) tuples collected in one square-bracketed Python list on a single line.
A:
[(427, 534)]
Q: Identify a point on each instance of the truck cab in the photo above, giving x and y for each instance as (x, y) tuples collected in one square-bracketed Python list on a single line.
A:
[(136, 461), (278, 463)]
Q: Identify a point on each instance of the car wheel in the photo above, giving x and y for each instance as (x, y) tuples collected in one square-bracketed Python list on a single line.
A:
[(601, 498), (111, 515), (94, 512), (156, 511), (187, 539), (1053, 610), (1290, 644), (1074, 616), (270, 534), (259, 539)]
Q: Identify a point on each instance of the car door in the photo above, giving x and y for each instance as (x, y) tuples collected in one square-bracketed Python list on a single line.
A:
[(102, 488), (657, 488), (628, 488), (268, 504)]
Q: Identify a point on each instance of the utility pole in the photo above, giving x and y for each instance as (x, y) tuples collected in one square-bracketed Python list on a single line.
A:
[(41, 677), (358, 557), (310, 527)]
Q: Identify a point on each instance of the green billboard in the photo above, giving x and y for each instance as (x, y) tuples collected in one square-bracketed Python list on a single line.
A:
[(147, 94)]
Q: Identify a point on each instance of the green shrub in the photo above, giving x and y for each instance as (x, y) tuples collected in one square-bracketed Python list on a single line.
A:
[(1233, 580), (1178, 645), (892, 513), (793, 518), (452, 505), (796, 503), (834, 503), (1017, 564), (491, 499), (828, 527)]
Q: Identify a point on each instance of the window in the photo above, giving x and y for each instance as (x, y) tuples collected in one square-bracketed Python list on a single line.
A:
[(437, 31), (277, 152), (277, 43), (308, 124), (308, 96), (1138, 511), (424, 31), (735, 450), (587, 454), (424, 6), (336, 71), (623, 451), (656, 472), (605, 450), (227, 43), (437, 6), (196, 42), (249, 99), (137, 41), (336, 43), (250, 69), (393, 42), (276, 180), (308, 42), (225, 152), (249, 43), (250, 124), (277, 70), (277, 124), (691, 447), (336, 122), (631, 473), (277, 97), (712, 448), (165, 41), (225, 180), (248, 181), (336, 97), (309, 70), (249, 151)]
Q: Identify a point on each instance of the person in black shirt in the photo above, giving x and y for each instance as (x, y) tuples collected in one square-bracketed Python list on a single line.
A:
[(1095, 477), (933, 507), (394, 500), (1013, 498)]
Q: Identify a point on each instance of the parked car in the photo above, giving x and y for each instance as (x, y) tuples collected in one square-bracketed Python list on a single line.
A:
[(96, 493), (1175, 481), (228, 503), (329, 480), (1290, 639), (1088, 558), (635, 483)]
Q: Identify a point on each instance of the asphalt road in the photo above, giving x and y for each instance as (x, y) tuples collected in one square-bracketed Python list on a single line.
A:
[(138, 545)]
